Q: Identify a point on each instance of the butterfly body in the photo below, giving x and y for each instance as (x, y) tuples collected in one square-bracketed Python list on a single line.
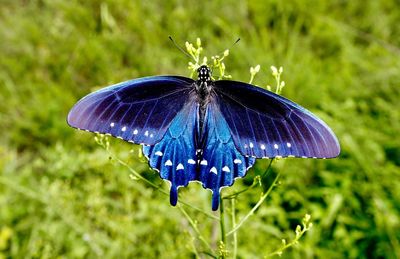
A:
[(204, 130)]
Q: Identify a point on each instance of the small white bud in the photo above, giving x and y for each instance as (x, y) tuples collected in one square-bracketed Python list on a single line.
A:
[(274, 70), (198, 42), (187, 45), (226, 52), (282, 83), (257, 68), (280, 69), (205, 60), (298, 230)]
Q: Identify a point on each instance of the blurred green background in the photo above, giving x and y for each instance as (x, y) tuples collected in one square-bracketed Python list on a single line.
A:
[(61, 196)]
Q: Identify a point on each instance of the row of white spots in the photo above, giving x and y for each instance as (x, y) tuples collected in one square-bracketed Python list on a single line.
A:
[(203, 162), (291, 156), (263, 147), (135, 132)]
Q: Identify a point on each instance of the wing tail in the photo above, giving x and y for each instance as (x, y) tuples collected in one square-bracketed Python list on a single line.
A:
[(174, 156), (222, 163)]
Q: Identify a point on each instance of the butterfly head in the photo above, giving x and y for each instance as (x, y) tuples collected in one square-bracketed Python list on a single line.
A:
[(204, 73)]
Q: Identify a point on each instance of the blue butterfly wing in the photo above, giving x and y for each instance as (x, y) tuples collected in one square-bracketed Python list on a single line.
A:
[(137, 111), (174, 157), (266, 125), (222, 162)]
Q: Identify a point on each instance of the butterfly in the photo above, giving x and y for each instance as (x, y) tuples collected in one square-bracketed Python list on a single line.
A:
[(203, 130)]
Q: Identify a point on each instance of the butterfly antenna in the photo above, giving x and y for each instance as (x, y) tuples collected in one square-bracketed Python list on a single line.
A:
[(222, 52), (180, 48)]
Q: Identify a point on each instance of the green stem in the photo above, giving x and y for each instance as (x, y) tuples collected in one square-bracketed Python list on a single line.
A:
[(254, 184), (222, 221), (196, 229), (235, 194), (233, 203), (139, 176), (292, 243), (263, 197)]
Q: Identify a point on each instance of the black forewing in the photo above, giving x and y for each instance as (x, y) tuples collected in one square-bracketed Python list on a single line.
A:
[(264, 124), (138, 110)]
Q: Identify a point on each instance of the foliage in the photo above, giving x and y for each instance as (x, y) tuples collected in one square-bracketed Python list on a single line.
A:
[(60, 195)]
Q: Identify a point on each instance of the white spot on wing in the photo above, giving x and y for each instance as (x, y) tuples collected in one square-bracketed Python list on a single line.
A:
[(151, 135), (237, 161), (276, 146), (251, 145), (135, 132), (112, 124), (191, 161), (226, 169), (123, 128), (146, 133), (158, 153), (168, 163), (288, 144), (213, 170), (262, 146), (180, 167), (203, 162)]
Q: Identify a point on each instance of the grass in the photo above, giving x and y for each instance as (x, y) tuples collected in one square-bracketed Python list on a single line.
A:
[(61, 195)]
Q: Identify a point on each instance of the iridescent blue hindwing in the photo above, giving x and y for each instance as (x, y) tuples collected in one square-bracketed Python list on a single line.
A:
[(174, 157), (222, 163)]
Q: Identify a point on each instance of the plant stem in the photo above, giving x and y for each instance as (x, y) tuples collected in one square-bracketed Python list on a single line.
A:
[(255, 182), (196, 229), (233, 204), (139, 176), (235, 194), (263, 197), (222, 221)]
